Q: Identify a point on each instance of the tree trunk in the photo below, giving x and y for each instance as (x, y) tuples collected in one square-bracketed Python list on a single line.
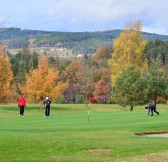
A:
[(131, 106), (155, 100)]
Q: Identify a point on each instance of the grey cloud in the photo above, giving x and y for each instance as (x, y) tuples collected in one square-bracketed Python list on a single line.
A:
[(89, 14)]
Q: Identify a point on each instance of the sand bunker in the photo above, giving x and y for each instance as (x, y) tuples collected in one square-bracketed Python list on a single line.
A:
[(157, 135), (153, 134)]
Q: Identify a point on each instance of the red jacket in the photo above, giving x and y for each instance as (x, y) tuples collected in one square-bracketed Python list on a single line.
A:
[(91, 99), (21, 101)]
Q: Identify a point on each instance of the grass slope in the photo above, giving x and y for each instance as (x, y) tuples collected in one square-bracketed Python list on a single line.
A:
[(67, 133)]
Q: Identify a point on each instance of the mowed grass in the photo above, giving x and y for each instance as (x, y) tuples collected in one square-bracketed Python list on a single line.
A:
[(69, 132)]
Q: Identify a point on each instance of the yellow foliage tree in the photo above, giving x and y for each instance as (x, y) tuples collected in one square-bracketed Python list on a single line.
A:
[(43, 81), (128, 49), (32, 40), (6, 76)]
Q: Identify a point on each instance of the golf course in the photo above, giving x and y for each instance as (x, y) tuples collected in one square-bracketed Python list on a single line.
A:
[(83, 133)]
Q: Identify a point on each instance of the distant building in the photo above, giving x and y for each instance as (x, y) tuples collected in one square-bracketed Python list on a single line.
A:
[(59, 49), (79, 55)]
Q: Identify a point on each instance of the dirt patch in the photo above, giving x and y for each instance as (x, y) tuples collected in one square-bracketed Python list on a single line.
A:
[(98, 150), (153, 134)]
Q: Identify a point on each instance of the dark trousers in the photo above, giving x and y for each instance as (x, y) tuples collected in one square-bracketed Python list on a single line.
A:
[(152, 110), (156, 111), (21, 110), (47, 111)]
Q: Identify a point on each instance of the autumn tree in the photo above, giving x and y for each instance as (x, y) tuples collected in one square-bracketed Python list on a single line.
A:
[(128, 49), (43, 81), (87, 77), (86, 82), (103, 86), (71, 76), (102, 53), (6, 77)]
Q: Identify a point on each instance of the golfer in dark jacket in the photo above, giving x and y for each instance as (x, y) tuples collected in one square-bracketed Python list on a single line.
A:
[(152, 108), (47, 103)]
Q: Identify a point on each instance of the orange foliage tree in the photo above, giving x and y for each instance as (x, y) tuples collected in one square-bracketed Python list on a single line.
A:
[(102, 53), (42, 82), (103, 86), (6, 76), (71, 76)]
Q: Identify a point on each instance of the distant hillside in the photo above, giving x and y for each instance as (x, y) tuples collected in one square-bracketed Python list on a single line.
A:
[(78, 42)]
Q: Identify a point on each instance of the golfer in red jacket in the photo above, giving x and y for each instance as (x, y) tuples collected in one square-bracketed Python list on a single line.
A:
[(22, 105), (91, 99)]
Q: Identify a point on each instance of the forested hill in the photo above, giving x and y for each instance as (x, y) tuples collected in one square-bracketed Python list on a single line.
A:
[(79, 42)]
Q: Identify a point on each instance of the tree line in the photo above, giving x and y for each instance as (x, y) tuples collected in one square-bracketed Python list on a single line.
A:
[(78, 42), (133, 72)]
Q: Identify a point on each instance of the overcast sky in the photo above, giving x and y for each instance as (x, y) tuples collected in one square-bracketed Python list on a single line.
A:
[(85, 15)]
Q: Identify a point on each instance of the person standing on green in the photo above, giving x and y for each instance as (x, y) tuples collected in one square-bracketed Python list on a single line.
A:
[(47, 103), (105, 99), (22, 104)]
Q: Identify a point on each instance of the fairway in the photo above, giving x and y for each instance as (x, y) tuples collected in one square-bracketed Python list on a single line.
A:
[(69, 132)]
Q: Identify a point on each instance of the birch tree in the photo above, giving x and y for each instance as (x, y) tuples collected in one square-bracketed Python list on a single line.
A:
[(128, 49)]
